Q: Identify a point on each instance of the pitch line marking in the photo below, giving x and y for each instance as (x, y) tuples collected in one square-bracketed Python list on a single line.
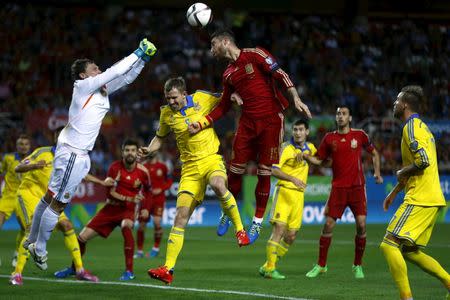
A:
[(229, 292)]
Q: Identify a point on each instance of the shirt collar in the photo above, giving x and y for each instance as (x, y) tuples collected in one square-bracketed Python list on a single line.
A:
[(411, 117), (189, 104), (297, 146), (17, 156)]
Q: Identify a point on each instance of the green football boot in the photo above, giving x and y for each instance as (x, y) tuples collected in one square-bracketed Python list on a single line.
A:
[(274, 275), (316, 271), (358, 271)]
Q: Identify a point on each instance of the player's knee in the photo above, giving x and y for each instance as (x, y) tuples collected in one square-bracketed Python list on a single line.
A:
[(218, 185), (290, 236), (329, 225), (127, 223)]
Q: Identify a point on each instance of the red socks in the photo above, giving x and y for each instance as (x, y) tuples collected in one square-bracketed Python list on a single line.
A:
[(140, 239), (128, 248), (158, 236), (262, 195), (360, 246), (324, 244)]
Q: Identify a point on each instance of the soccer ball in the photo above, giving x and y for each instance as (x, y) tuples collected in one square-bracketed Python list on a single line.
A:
[(199, 14)]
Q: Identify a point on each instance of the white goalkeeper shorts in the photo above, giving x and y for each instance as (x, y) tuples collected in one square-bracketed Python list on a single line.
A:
[(70, 166)]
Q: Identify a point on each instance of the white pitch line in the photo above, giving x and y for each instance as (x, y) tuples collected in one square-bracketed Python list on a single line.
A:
[(258, 295)]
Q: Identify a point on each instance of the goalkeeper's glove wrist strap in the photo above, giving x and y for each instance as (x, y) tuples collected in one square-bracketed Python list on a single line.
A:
[(139, 52)]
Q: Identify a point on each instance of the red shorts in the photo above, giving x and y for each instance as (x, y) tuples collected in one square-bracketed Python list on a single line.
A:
[(109, 217), (353, 197), (258, 140), (156, 207)]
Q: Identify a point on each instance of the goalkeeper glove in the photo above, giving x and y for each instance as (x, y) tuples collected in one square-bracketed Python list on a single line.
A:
[(146, 50)]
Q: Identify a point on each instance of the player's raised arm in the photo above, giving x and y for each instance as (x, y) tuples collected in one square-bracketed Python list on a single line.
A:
[(91, 80)]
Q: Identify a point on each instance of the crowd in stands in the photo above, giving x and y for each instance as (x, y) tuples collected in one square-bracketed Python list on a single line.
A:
[(361, 62)]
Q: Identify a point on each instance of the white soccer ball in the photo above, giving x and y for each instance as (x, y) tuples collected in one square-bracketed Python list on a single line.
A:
[(199, 15)]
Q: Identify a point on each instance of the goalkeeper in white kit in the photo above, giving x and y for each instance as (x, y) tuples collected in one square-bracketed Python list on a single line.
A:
[(71, 164)]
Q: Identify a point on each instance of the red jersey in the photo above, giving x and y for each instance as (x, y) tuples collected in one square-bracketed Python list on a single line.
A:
[(128, 183), (252, 76), (345, 152), (158, 175)]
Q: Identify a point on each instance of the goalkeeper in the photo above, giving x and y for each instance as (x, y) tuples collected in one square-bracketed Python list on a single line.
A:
[(90, 103)]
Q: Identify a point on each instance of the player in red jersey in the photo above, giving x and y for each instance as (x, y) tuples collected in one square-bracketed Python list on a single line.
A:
[(153, 205), (254, 74), (344, 147), (131, 179)]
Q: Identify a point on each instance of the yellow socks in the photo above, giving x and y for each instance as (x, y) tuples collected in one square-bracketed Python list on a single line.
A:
[(282, 249), (174, 245), (22, 256), (397, 266), (19, 238), (71, 242), (429, 265), (271, 255), (230, 208)]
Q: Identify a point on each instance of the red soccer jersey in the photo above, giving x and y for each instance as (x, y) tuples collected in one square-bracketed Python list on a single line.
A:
[(345, 152), (128, 183), (158, 175), (252, 77)]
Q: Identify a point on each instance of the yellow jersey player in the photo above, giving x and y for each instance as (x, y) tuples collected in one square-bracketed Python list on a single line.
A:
[(201, 165), (8, 201), (287, 205), (36, 170), (410, 229)]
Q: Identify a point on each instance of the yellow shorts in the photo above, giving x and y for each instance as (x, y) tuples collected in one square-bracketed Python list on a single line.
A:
[(8, 203), (26, 205), (413, 223), (195, 176), (287, 207)]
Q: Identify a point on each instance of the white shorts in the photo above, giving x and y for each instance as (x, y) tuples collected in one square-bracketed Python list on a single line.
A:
[(70, 166)]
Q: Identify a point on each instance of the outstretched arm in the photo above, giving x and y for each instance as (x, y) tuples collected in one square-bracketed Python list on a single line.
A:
[(126, 78), (91, 84), (155, 145)]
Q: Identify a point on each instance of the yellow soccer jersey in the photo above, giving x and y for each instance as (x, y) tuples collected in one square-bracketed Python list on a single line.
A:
[(289, 164), (191, 147), (12, 179), (418, 147), (36, 181)]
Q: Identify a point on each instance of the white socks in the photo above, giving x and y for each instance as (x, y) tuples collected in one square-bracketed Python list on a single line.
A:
[(48, 223), (39, 210)]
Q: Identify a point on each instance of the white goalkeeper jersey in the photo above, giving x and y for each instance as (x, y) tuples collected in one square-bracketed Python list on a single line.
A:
[(89, 106)]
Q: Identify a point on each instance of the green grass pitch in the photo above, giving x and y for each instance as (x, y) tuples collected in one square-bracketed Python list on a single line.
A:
[(212, 267)]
